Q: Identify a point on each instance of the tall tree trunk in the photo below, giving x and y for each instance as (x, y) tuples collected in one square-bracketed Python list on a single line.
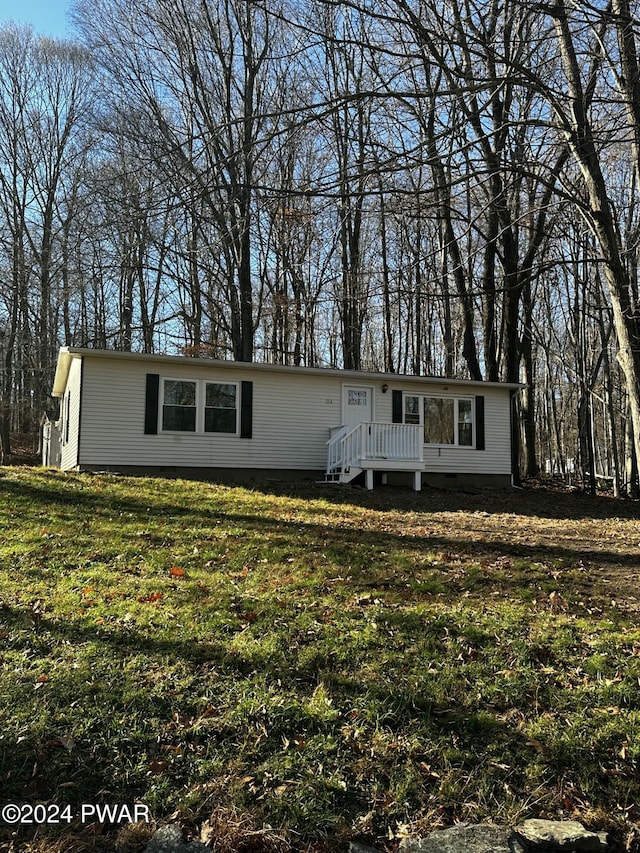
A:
[(581, 141)]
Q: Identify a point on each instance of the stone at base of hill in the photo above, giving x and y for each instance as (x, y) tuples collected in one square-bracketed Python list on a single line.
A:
[(532, 836), (462, 838), (560, 835), (168, 839), (356, 847)]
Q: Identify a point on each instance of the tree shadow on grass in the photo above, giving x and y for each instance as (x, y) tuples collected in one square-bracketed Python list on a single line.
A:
[(407, 733), (75, 490), (537, 502), (358, 551), (358, 555)]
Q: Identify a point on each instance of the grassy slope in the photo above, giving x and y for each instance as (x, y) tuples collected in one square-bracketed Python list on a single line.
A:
[(328, 663)]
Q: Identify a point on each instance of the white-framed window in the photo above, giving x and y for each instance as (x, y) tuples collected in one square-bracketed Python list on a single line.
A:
[(179, 405), (220, 407), (357, 397), (199, 406), (445, 420)]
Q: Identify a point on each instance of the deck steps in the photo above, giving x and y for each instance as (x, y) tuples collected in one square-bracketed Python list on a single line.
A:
[(341, 476), (371, 447)]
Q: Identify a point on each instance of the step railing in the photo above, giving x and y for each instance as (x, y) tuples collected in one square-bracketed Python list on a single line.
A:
[(375, 442), (335, 451)]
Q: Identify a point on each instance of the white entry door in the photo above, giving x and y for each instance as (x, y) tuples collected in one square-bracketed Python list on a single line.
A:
[(357, 404)]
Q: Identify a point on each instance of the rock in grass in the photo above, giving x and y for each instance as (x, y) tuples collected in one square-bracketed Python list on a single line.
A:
[(168, 839), (462, 838), (567, 835)]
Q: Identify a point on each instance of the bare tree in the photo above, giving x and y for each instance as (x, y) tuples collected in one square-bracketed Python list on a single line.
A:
[(348, 133), (44, 92), (197, 72), (594, 41)]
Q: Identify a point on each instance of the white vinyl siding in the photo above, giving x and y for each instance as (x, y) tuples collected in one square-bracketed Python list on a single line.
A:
[(495, 459), (451, 459), (293, 415), (69, 423), (292, 418)]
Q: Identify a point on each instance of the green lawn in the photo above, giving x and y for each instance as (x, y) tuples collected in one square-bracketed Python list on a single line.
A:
[(288, 668)]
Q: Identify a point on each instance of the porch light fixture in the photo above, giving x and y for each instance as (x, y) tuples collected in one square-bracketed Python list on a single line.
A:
[(385, 388)]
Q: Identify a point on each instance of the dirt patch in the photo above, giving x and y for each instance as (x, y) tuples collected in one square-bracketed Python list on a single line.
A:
[(590, 545), (586, 548)]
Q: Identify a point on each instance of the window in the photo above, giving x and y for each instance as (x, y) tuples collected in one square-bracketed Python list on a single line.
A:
[(199, 406), (179, 408), (412, 410), (446, 420), (465, 423), (439, 420), (220, 407), (356, 397)]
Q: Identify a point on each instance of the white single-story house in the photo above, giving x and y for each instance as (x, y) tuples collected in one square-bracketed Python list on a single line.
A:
[(181, 416)]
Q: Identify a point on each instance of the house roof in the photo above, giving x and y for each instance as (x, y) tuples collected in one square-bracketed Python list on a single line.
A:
[(67, 354)]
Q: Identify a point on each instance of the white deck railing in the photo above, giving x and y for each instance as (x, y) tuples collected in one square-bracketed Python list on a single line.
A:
[(375, 442)]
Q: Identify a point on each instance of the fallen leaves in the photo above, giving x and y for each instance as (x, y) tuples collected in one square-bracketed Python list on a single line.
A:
[(558, 602), (150, 598), (157, 767)]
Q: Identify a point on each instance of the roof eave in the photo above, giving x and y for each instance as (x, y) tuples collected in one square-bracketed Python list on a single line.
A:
[(65, 357), (67, 353)]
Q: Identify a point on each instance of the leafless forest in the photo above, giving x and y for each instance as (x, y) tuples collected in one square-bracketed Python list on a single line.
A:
[(425, 186)]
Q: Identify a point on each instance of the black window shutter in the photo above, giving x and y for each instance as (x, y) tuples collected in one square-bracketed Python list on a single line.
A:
[(480, 423), (151, 404), (246, 410), (396, 407), (68, 420)]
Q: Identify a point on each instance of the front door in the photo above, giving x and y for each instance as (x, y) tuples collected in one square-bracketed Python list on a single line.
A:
[(357, 405)]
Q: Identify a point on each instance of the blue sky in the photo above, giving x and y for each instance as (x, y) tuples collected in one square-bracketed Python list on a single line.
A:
[(47, 17)]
